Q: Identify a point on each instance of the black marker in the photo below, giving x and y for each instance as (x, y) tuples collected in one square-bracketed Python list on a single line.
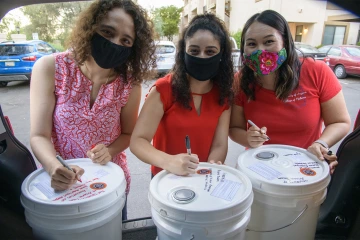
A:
[(187, 143)]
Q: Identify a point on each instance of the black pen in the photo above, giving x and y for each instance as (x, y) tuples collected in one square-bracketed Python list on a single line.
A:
[(187, 143)]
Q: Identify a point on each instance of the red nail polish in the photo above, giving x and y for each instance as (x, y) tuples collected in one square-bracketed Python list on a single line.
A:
[(92, 146)]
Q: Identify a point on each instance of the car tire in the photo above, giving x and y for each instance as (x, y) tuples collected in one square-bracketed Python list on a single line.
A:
[(340, 71), (3, 84)]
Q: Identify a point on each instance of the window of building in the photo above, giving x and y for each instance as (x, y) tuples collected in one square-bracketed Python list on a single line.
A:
[(298, 33), (334, 35), (358, 38), (334, 51)]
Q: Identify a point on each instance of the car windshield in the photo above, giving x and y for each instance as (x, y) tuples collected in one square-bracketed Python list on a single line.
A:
[(164, 49), (306, 48), (10, 50), (353, 51)]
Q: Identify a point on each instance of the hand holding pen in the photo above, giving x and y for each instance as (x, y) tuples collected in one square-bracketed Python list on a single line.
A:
[(184, 163), (63, 176), (256, 136)]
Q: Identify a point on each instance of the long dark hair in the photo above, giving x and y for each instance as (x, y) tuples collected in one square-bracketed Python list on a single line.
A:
[(142, 59), (287, 76), (225, 76)]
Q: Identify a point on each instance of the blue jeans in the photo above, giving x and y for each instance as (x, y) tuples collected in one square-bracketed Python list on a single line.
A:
[(124, 211)]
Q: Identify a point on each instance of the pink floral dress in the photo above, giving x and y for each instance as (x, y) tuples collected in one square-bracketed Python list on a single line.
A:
[(76, 126)]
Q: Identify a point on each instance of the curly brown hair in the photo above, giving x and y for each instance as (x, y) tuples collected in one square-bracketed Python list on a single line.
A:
[(287, 76), (225, 76), (142, 60)]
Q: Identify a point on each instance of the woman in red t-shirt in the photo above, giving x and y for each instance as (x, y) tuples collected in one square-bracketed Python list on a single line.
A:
[(192, 100), (291, 98)]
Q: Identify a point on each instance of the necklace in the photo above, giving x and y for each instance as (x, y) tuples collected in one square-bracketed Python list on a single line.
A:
[(87, 69)]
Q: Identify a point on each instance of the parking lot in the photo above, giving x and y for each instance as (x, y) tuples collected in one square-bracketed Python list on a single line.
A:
[(14, 100)]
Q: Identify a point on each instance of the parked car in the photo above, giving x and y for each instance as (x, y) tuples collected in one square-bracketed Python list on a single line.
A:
[(344, 59), (165, 51), (304, 49), (17, 59)]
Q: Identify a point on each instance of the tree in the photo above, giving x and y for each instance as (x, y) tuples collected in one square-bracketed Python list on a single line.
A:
[(7, 25), (52, 20), (44, 20), (69, 13), (237, 36), (166, 20)]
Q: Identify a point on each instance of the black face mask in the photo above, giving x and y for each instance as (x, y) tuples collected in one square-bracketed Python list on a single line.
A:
[(108, 54), (202, 69)]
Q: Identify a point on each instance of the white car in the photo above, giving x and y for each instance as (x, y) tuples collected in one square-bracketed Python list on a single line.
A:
[(165, 51)]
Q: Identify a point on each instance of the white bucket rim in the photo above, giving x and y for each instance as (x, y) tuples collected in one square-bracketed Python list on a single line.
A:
[(26, 193), (247, 195), (265, 186)]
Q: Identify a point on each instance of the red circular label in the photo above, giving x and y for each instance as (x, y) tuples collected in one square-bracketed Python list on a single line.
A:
[(308, 171), (203, 171), (98, 185)]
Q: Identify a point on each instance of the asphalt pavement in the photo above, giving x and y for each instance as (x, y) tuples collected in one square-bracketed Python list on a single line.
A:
[(14, 100)]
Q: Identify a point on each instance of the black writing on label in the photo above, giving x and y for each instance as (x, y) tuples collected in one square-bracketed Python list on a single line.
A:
[(218, 177), (300, 164), (206, 182), (209, 188), (313, 165), (306, 164), (293, 154), (293, 180), (223, 177)]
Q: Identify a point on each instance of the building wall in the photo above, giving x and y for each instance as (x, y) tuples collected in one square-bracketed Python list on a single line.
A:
[(312, 14), (309, 13)]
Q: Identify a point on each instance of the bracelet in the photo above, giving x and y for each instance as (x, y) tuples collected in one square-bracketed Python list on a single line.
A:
[(321, 142)]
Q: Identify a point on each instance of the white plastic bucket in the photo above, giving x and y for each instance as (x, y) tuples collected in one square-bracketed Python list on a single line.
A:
[(289, 185), (90, 210), (212, 204)]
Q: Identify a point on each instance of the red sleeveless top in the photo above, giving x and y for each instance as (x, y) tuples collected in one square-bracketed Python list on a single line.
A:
[(178, 122)]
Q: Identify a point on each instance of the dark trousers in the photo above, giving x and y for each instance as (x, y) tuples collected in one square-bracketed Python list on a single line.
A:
[(124, 211)]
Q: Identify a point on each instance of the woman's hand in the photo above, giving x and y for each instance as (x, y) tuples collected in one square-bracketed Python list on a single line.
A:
[(322, 154), (183, 164), (256, 136), (62, 178), (99, 154)]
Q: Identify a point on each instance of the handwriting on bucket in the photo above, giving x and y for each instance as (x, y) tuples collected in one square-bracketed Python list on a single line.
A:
[(76, 192), (217, 184)]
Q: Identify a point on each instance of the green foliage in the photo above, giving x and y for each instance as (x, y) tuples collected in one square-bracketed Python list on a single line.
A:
[(319, 46), (52, 20), (358, 44), (237, 36), (57, 46), (166, 21), (6, 23)]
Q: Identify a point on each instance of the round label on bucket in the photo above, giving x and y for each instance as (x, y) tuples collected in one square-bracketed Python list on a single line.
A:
[(97, 180), (290, 166), (213, 187)]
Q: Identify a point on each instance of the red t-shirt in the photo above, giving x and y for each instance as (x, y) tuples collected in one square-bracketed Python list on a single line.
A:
[(178, 122), (296, 121)]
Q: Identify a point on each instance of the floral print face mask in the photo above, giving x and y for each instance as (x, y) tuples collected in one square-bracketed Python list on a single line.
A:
[(263, 62)]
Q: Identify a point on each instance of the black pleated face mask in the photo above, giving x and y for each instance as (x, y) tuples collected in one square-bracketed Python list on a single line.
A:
[(108, 54), (202, 69)]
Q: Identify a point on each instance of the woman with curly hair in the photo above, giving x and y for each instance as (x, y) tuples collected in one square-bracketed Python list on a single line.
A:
[(194, 100), (292, 98), (84, 102)]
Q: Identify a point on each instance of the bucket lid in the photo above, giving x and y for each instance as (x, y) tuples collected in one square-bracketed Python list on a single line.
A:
[(279, 169), (213, 189), (101, 185)]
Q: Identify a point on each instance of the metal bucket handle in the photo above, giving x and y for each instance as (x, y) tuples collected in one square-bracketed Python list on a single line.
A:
[(276, 229)]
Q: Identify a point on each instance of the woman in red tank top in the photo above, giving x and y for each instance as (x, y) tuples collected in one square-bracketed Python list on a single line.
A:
[(194, 100)]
